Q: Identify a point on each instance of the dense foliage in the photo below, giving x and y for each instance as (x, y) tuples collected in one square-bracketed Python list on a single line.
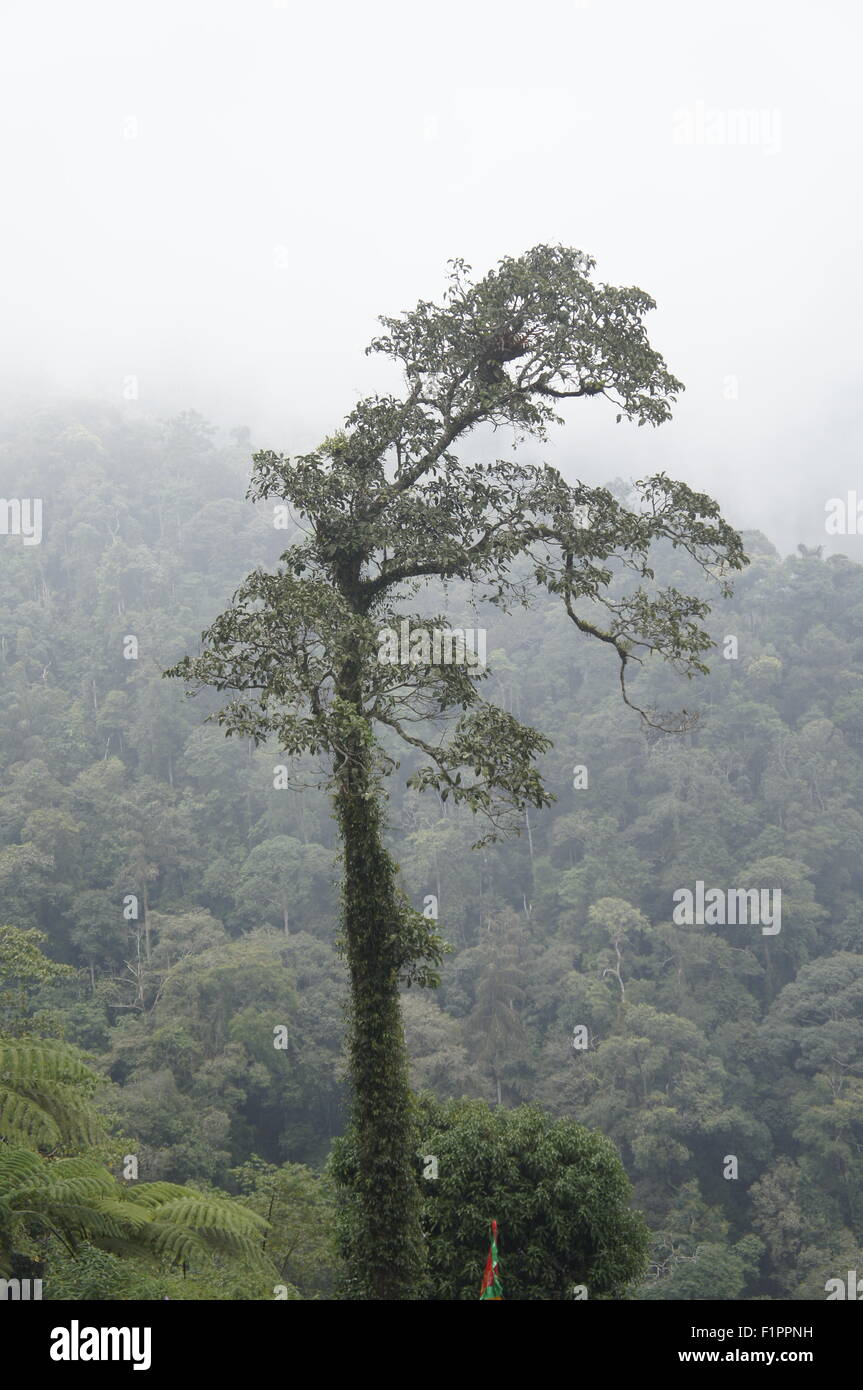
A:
[(558, 1191), (703, 1042)]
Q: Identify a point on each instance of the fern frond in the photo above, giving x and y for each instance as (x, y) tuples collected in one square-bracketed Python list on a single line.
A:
[(27, 1060), (16, 1165), (23, 1119), (155, 1194), (44, 1100)]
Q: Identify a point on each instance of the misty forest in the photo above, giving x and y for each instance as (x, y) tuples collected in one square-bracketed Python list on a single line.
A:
[(323, 944)]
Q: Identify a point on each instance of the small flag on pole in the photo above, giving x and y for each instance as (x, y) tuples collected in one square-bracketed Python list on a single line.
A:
[(491, 1285)]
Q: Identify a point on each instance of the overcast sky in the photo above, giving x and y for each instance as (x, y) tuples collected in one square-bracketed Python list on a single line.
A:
[(217, 197)]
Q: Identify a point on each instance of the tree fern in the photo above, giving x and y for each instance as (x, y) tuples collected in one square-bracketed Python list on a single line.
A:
[(45, 1090), (44, 1095), (77, 1199)]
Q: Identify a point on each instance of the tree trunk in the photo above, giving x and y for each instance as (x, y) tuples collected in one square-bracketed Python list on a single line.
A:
[(146, 899), (389, 1244)]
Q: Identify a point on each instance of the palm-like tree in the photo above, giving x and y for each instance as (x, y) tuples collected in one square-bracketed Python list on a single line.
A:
[(45, 1103), (77, 1199), (45, 1090)]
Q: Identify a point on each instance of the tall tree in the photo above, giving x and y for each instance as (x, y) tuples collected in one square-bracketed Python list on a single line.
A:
[(386, 505)]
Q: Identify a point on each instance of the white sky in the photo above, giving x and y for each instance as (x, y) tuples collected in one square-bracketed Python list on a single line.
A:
[(297, 169)]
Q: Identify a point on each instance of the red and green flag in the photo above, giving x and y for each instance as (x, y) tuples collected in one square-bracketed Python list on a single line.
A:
[(491, 1285)]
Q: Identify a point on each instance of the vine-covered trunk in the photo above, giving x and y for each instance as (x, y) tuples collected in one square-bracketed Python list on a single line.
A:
[(388, 1252)]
